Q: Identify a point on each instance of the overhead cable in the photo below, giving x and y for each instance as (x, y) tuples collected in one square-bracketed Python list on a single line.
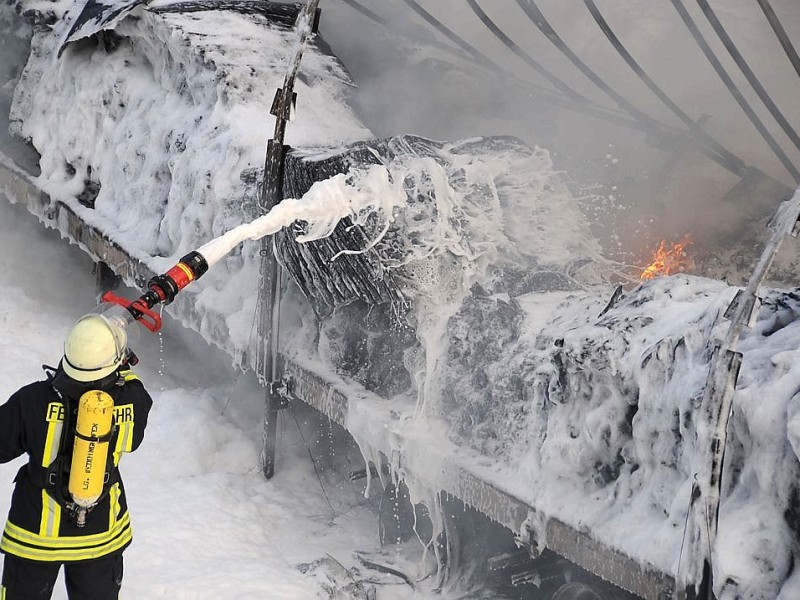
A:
[(780, 32), (509, 43), (440, 27), (719, 29), (551, 96), (726, 79), (373, 16), (648, 123), (736, 164), (366, 12)]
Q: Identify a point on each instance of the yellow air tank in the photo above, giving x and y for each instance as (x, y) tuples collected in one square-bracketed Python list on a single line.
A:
[(90, 452)]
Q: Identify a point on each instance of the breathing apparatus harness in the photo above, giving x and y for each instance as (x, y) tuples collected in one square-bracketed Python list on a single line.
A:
[(61, 478)]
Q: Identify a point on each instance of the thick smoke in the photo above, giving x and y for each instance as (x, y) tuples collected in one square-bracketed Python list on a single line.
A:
[(638, 186)]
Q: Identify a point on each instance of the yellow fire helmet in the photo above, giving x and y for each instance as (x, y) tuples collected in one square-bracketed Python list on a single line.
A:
[(94, 348)]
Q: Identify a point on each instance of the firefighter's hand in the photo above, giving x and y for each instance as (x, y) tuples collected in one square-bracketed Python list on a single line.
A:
[(126, 375)]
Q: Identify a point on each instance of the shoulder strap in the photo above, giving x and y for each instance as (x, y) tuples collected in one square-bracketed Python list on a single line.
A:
[(57, 474)]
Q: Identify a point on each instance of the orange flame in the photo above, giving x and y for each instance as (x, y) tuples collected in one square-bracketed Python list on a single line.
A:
[(669, 260)]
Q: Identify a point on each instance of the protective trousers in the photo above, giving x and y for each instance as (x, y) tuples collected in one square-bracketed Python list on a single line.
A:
[(97, 579)]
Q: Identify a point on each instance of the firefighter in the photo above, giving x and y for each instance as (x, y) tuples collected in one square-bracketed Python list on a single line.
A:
[(48, 525)]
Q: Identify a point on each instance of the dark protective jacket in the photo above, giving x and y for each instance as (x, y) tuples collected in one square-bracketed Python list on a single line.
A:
[(31, 422)]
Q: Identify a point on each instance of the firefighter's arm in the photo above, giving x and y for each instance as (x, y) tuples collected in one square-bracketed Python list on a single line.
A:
[(11, 429), (141, 401)]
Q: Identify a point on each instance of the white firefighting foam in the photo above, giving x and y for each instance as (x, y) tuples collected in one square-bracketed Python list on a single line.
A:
[(355, 195)]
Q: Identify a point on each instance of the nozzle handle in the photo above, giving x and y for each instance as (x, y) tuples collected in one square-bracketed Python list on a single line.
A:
[(140, 311)]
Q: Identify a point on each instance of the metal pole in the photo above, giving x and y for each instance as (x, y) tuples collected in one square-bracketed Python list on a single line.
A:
[(271, 195), (717, 404)]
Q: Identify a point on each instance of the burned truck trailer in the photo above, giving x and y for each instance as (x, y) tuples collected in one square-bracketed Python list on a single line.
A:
[(471, 339)]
